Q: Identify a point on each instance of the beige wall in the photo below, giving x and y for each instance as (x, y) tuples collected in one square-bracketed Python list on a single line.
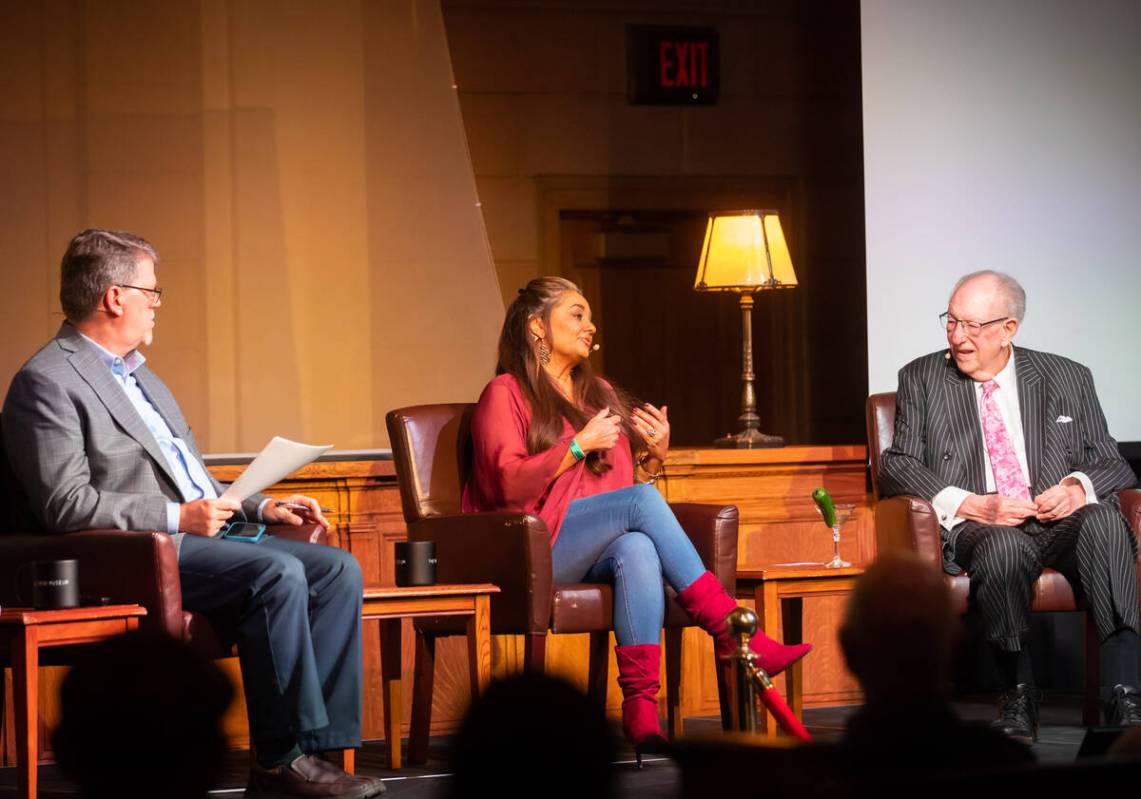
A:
[(301, 168)]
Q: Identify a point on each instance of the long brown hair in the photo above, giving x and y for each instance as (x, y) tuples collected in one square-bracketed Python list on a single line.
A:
[(518, 356)]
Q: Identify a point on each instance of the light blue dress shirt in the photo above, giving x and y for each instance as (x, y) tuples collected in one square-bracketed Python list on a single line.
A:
[(189, 473)]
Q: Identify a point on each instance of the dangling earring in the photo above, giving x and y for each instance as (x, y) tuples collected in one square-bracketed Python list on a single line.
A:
[(544, 351)]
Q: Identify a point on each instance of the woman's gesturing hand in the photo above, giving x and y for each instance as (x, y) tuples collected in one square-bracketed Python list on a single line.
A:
[(601, 432), (654, 425)]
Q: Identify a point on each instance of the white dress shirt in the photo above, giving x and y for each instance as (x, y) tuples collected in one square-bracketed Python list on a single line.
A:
[(947, 501)]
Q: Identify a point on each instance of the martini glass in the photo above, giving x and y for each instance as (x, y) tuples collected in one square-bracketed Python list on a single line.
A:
[(843, 513)]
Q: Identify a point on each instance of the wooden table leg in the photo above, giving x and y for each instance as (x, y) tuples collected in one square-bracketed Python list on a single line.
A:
[(769, 615), (479, 645), (25, 654), (792, 618), (391, 687)]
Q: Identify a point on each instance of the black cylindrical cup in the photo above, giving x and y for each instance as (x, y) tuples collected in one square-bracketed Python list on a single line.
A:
[(55, 584), (415, 563)]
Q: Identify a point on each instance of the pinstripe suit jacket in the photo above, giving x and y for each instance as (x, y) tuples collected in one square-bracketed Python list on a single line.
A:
[(80, 450), (938, 439)]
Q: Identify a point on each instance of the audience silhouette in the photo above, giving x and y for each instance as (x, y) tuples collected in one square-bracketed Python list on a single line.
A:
[(140, 716), (898, 638), (533, 735)]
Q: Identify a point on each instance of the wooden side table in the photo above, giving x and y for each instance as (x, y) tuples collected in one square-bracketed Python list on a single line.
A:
[(24, 632), (390, 605), (778, 592)]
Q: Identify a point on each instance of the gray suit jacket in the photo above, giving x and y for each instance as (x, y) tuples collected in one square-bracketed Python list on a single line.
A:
[(938, 442), (80, 450)]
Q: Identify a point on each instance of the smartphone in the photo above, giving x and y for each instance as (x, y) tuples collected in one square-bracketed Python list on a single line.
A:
[(249, 532)]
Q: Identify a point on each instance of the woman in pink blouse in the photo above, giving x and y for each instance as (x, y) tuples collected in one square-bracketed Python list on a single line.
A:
[(554, 440)]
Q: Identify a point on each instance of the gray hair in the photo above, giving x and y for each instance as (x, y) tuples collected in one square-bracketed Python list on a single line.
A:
[(96, 260), (1010, 289)]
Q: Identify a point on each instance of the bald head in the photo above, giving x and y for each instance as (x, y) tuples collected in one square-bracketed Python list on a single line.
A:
[(899, 628), (1003, 295)]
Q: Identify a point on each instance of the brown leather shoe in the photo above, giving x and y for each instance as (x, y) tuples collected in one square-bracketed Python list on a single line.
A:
[(308, 776), (376, 782)]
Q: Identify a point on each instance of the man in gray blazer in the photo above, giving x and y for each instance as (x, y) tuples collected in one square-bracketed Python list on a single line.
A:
[(1011, 447), (96, 440)]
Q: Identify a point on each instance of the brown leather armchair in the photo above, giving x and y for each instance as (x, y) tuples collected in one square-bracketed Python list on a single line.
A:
[(909, 522), (431, 445)]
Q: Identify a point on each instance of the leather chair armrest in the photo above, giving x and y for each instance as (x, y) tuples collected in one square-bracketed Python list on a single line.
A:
[(713, 531), (511, 550), (1131, 507), (909, 523), (125, 565), (307, 533)]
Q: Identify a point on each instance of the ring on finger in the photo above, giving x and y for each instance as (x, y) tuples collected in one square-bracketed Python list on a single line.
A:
[(651, 431)]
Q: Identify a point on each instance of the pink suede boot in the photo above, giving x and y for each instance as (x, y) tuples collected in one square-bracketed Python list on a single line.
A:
[(708, 603), (639, 677)]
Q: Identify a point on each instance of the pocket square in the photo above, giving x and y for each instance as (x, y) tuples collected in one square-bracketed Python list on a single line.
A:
[(1063, 420)]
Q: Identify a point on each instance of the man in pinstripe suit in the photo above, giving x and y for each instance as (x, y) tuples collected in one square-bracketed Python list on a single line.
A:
[(97, 440), (1011, 447)]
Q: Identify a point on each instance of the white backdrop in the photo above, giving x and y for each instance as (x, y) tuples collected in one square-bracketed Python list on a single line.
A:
[(1006, 134)]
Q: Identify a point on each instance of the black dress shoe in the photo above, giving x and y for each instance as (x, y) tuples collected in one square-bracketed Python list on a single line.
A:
[(1018, 713), (1124, 707)]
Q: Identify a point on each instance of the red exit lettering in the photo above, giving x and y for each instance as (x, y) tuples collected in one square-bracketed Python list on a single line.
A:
[(683, 64)]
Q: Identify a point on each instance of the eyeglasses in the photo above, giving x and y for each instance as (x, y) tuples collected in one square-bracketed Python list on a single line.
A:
[(155, 293), (949, 323)]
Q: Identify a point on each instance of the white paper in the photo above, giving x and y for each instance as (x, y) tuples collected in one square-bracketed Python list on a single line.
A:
[(280, 458)]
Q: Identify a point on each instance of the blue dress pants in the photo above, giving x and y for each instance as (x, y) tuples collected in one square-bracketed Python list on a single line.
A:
[(295, 611), (631, 538)]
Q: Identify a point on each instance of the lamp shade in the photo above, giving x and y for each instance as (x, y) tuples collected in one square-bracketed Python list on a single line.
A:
[(744, 251)]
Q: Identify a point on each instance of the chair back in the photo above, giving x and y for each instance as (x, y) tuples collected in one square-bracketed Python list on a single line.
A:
[(431, 445), (18, 516), (880, 419)]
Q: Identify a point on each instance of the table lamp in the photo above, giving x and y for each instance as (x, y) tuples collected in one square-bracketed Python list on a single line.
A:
[(745, 252)]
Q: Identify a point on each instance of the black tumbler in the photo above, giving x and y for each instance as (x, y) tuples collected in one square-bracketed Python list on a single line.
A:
[(55, 584), (415, 563)]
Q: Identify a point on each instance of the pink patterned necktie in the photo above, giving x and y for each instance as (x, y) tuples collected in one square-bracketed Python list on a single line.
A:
[(1008, 476)]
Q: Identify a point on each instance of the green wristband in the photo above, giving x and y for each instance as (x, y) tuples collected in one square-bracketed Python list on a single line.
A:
[(576, 450)]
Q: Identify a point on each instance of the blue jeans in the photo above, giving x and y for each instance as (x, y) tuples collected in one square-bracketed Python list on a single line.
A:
[(631, 538)]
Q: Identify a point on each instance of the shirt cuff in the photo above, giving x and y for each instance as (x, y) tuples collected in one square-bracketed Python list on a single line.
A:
[(1087, 484), (260, 506), (173, 512), (946, 504)]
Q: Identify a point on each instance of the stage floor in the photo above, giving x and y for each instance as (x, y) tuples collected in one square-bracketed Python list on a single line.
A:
[(1060, 736)]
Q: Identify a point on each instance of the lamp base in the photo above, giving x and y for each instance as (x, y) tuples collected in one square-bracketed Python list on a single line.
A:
[(749, 439)]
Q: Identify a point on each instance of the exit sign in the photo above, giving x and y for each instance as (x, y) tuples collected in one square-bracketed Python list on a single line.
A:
[(669, 65)]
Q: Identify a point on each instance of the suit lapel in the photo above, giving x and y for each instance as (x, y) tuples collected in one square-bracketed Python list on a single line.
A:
[(95, 373), (964, 428), (1031, 403)]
